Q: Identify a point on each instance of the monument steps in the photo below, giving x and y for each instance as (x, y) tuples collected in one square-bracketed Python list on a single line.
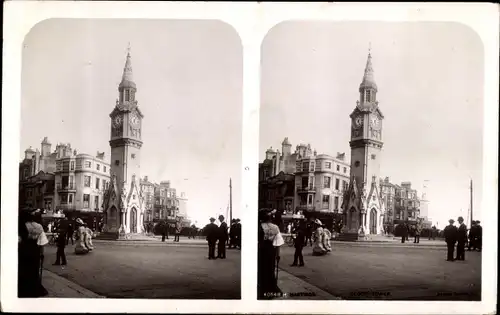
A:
[(114, 236), (354, 237), (347, 237), (106, 236), (380, 238), (139, 237)]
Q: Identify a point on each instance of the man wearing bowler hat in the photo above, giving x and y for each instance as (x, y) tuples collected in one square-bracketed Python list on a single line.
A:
[(461, 239), (212, 232), (450, 236), (223, 236), (479, 235)]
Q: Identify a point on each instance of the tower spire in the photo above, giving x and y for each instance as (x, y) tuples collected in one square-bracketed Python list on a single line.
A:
[(127, 77), (368, 78)]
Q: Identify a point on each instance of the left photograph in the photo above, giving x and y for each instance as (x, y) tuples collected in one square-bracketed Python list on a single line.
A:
[(130, 162)]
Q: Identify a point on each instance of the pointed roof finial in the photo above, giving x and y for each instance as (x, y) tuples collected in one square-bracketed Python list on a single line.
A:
[(369, 48), (368, 79), (127, 77)]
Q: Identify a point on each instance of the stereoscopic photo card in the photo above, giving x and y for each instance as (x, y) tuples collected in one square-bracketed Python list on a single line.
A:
[(198, 157), (364, 163)]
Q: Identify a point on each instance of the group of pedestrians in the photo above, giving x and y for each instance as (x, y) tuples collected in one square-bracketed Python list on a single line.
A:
[(475, 236), (235, 234), (31, 242), (406, 229), (81, 237), (165, 227), (458, 236), (269, 242), (216, 234)]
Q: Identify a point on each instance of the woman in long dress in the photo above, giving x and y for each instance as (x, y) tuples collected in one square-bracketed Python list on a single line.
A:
[(318, 248), (80, 246), (270, 240), (32, 239), (327, 235), (88, 238)]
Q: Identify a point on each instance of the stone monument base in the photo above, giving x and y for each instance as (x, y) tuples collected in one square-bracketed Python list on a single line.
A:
[(348, 237), (107, 236)]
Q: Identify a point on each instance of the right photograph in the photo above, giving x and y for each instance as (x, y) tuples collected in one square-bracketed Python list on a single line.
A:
[(370, 166)]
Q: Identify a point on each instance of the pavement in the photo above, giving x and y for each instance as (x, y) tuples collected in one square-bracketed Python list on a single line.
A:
[(154, 241), (138, 271), (58, 287), (295, 288), (374, 272)]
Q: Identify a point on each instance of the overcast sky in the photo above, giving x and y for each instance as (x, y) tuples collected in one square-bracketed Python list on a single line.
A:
[(189, 81), (430, 82)]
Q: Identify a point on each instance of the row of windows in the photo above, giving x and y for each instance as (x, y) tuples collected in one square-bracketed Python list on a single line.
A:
[(327, 183), (129, 96), (168, 203), (328, 165), (70, 165), (368, 96), (68, 200), (400, 215), (87, 182), (309, 199), (326, 202)]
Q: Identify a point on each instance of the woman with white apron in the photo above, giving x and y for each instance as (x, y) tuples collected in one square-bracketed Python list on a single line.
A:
[(80, 246), (318, 248)]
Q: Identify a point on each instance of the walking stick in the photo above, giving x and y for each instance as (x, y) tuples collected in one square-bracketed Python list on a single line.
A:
[(41, 266), (277, 268)]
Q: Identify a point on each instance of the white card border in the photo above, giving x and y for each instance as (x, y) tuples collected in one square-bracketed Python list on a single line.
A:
[(252, 21)]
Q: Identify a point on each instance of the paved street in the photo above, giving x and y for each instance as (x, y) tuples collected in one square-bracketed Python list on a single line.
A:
[(137, 271), (389, 272)]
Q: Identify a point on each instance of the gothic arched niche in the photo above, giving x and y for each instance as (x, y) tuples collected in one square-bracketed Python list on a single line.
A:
[(133, 220), (353, 219), (373, 221), (113, 218)]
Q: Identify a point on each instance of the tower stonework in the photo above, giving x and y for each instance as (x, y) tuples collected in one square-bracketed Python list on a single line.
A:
[(361, 206), (123, 200)]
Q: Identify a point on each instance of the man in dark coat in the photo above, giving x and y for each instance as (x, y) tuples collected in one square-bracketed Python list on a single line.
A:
[(450, 236), (479, 235), (61, 244), (232, 234), (164, 231), (404, 232), (461, 239), (300, 241), (407, 225), (238, 233), (69, 233), (418, 230), (472, 236), (211, 231), (309, 233), (223, 236)]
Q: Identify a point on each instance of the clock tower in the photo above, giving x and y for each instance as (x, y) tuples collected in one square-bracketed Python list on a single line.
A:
[(123, 199), (361, 207)]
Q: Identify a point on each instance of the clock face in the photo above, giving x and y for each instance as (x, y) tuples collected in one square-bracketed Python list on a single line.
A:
[(117, 121), (134, 120), (375, 122), (358, 121)]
